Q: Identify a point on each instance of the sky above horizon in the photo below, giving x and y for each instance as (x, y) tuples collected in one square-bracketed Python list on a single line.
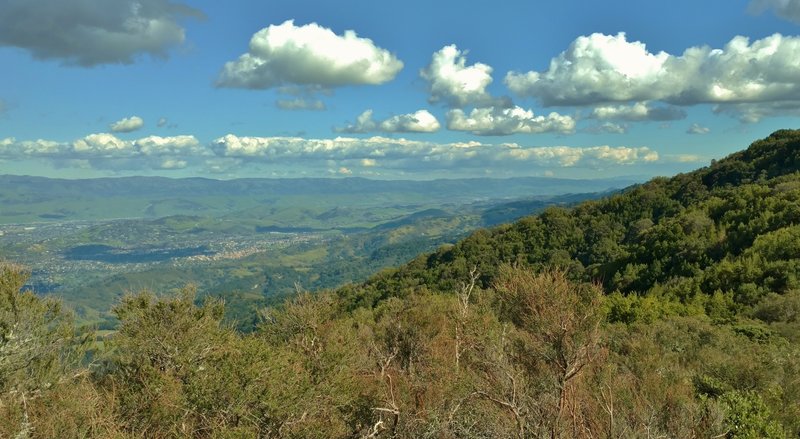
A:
[(421, 90)]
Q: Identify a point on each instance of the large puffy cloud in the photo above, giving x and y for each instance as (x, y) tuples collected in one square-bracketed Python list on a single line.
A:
[(421, 121), (311, 55), (127, 124), (600, 69), (786, 9), (493, 121), (637, 112), (91, 32), (454, 83), (594, 69)]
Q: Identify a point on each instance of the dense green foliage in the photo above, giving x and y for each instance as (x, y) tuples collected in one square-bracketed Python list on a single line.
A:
[(670, 310), (717, 240)]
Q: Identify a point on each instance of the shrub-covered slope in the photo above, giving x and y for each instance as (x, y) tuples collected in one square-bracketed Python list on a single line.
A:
[(721, 238)]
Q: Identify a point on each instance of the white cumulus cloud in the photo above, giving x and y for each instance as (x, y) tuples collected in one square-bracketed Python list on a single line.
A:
[(595, 156), (696, 128), (92, 32), (365, 156), (421, 121), (311, 55), (127, 124), (106, 151), (297, 147), (175, 145), (364, 124), (420, 155), (11, 148), (594, 69), (103, 144), (454, 83), (604, 69), (607, 128), (638, 111), (493, 121)]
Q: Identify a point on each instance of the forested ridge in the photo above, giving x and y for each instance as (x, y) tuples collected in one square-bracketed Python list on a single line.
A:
[(730, 228), (668, 310)]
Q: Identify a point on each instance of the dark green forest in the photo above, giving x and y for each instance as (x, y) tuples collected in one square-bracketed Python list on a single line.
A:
[(670, 309)]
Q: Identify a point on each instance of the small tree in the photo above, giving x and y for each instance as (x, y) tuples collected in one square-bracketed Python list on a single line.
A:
[(557, 337), (39, 349), (165, 357)]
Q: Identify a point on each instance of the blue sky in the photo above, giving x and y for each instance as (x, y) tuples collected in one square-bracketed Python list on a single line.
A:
[(383, 90)]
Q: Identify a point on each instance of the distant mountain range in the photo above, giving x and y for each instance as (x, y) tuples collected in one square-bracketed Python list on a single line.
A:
[(36, 199)]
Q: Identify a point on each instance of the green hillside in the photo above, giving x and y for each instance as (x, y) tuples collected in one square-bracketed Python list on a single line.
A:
[(669, 310), (728, 232)]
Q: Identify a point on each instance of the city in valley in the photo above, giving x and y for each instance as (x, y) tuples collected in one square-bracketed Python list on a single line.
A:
[(57, 259)]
